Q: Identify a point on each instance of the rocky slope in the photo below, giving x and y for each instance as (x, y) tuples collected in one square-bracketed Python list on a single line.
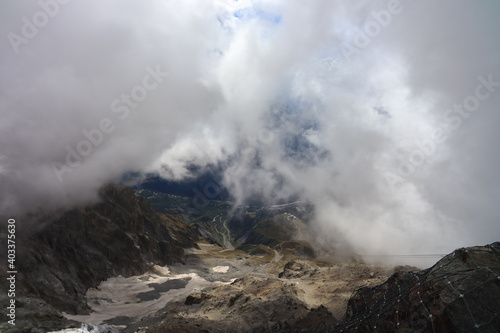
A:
[(107, 264), (461, 293), (217, 289), (250, 304), (121, 235), (271, 292), (243, 227)]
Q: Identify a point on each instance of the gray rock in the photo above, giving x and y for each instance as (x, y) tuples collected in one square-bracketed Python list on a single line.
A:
[(460, 293)]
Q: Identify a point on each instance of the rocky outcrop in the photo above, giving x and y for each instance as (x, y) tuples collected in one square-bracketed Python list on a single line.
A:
[(249, 304), (121, 235), (461, 293), (298, 269)]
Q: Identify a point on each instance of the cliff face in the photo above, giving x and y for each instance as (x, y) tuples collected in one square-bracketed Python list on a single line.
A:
[(461, 293), (121, 235)]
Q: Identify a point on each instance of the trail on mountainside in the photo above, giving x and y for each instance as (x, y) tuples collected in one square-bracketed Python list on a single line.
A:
[(226, 234)]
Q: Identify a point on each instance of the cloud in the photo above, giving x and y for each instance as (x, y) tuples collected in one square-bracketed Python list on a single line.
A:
[(344, 105)]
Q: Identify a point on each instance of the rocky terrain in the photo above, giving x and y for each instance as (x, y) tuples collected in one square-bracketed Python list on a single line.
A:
[(241, 227), (272, 293), (64, 256), (461, 293), (219, 289), (119, 266)]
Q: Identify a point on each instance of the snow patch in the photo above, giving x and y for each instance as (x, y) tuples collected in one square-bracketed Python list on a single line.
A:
[(220, 269), (89, 329), (118, 296)]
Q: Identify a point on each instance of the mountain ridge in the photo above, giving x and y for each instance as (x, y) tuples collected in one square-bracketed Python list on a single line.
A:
[(121, 235)]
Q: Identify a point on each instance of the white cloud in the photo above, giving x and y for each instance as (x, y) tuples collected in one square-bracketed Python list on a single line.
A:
[(259, 92)]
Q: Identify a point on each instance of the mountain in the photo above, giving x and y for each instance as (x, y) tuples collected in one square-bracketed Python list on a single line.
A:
[(244, 227), (121, 235), (128, 268), (189, 187)]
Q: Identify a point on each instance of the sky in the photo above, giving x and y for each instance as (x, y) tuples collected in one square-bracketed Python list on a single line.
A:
[(383, 114)]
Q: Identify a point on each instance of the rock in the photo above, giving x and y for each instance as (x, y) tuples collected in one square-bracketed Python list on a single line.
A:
[(459, 293), (196, 298), (298, 269), (317, 320)]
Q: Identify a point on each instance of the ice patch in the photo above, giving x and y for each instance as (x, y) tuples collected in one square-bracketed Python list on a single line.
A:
[(118, 296), (162, 271), (220, 269), (89, 329)]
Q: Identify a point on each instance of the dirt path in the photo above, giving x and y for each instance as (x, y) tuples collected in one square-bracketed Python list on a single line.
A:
[(226, 234), (277, 256), (227, 243)]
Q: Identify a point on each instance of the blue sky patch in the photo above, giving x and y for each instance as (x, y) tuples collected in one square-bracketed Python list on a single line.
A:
[(249, 13)]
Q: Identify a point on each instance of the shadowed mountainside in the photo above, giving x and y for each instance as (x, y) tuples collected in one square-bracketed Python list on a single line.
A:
[(121, 235)]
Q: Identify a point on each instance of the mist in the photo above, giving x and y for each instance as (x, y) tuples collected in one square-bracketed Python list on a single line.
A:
[(383, 114)]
